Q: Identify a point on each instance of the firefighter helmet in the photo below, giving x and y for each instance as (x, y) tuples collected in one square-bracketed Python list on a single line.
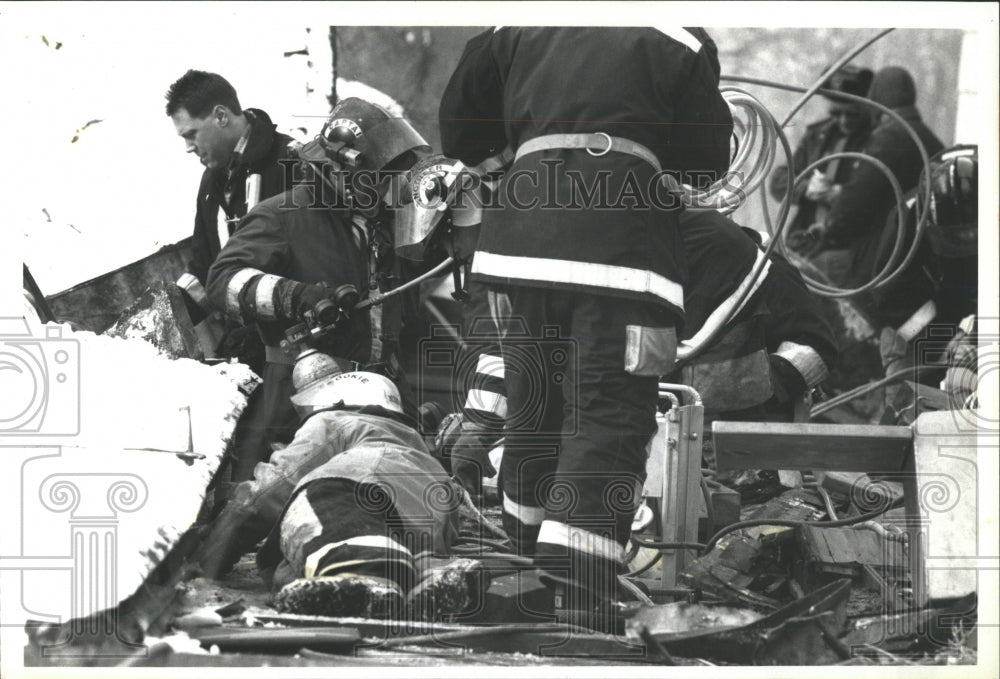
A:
[(363, 136), (348, 390), (954, 220), (312, 365)]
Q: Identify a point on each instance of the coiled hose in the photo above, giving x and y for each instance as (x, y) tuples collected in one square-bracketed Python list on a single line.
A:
[(761, 132), (756, 134), (893, 267), (757, 138)]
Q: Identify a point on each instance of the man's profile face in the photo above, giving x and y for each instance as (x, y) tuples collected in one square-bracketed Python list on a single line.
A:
[(850, 116), (206, 137)]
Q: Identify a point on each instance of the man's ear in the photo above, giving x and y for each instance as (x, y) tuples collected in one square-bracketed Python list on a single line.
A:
[(220, 114)]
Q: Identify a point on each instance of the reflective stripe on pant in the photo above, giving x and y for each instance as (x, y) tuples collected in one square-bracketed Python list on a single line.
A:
[(334, 526), (577, 427)]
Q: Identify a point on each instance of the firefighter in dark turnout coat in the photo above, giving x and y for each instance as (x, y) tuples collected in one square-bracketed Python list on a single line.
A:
[(296, 249), (778, 344), (583, 263)]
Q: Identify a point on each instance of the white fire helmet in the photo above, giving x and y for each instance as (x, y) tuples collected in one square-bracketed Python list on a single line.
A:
[(349, 389), (312, 365)]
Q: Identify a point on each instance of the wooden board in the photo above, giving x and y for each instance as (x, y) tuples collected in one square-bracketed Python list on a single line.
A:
[(96, 304), (846, 546), (848, 447)]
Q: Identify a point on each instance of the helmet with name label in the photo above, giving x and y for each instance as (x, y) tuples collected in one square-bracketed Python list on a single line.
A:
[(347, 390), (362, 137)]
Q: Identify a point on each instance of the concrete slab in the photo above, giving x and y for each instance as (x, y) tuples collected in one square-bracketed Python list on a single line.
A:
[(942, 500)]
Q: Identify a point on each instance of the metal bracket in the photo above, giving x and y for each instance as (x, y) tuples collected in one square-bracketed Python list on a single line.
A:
[(673, 475)]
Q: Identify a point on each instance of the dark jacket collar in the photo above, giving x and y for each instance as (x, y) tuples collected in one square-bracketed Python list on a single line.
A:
[(830, 128), (262, 132)]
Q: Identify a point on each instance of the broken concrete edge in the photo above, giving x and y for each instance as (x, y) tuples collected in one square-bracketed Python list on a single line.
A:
[(160, 316), (119, 633)]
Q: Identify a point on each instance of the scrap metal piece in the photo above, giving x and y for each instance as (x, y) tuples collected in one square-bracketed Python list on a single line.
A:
[(686, 618), (235, 639), (743, 644), (746, 562), (912, 630), (804, 640)]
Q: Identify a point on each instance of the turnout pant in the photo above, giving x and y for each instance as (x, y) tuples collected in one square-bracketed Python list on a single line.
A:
[(578, 423), (336, 526)]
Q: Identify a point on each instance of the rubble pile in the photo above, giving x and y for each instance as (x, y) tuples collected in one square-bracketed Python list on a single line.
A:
[(785, 589), (765, 595)]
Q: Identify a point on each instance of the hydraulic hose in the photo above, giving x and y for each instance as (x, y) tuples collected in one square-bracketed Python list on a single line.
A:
[(756, 138), (771, 134), (887, 274), (797, 523), (893, 267), (836, 66)]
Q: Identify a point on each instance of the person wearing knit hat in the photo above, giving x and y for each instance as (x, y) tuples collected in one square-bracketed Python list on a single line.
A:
[(846, 128), (856, 217)]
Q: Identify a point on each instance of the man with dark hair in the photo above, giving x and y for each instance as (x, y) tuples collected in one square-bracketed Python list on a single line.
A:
[(242, 153)]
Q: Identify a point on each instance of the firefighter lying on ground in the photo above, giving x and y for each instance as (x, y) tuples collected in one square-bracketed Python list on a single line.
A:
[(348, 508), (777, 347)]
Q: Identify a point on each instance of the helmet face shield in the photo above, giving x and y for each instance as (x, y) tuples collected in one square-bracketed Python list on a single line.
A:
[(377, 138), (314, 397), (424, 201), (362, 138)]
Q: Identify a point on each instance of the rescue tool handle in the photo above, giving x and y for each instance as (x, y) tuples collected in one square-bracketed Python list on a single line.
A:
[(329, 313), (379, 298), (692, 396)]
